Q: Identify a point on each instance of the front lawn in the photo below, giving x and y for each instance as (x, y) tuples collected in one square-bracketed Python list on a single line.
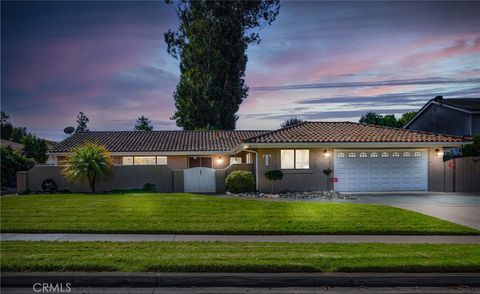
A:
[(196, 214), (18, 256)]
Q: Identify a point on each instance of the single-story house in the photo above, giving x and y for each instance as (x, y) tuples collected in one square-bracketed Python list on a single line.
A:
[(362, 157), (458, 117)]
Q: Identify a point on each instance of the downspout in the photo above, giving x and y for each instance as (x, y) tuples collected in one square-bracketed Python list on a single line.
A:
[(256, 166)]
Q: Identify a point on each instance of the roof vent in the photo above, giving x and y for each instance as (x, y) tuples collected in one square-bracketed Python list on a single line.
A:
[(438, 98)]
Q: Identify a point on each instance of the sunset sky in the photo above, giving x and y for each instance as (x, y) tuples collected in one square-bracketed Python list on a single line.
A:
[(318, 61)]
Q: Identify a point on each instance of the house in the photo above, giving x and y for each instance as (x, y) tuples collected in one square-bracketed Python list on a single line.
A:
[(362, 157), (13, 145), (458, 117)]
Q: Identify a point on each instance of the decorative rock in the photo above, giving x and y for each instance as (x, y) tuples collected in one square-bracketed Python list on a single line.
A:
[(328, 195)]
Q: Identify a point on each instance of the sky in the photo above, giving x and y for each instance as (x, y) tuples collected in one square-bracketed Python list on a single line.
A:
[(330, 61)]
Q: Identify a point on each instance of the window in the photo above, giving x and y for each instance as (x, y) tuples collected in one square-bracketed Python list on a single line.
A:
[(200, 161), (396, 154), (374, 154), (235, 160), (302, 159), (363, 154), (294, 159), (144, 160), (340, 154), (127, 160), (249, 158), (287, 159), (406, 154), (161, 160), (352, 154), (417, 154), (384, 154)]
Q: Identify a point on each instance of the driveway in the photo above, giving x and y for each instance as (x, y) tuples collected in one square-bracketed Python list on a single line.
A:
[(460, 208)]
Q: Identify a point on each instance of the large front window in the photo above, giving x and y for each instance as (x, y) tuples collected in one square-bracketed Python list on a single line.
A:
[(144, 160), (295, 159)]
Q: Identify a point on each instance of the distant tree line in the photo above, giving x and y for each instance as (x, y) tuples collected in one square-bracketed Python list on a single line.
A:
[(388, 120)]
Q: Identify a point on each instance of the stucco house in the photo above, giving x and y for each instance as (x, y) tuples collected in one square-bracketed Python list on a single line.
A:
[(458, 117), (362, 157)]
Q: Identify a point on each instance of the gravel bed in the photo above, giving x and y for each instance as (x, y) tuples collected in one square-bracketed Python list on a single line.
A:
[(323, 195)]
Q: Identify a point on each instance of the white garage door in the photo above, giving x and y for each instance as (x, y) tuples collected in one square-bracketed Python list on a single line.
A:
[(381, 170)]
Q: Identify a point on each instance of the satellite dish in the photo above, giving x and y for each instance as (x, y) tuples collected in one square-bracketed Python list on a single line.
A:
[(69, 130)]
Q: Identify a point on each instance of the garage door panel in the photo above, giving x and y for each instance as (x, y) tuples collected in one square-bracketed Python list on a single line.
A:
[(381, 170)]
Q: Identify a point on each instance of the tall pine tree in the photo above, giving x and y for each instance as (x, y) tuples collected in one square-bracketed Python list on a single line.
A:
[(211, 42)]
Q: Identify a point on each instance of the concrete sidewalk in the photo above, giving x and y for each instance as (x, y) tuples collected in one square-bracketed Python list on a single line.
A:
[(398, 239)]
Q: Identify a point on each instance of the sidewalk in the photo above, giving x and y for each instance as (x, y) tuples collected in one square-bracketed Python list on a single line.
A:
[(395, 239)]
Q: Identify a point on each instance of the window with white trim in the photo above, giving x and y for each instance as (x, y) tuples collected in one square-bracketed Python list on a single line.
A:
[(161, 160), (406, 154), (144, 160), (235, 160), (127, 160), (384, 154), (352, 154), (340, 154), (294, 159), (249, 158), (362, 154), (396, 154), (417, 154), (373, 154)]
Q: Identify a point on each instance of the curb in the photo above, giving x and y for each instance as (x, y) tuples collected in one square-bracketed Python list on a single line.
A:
[(106, 279)]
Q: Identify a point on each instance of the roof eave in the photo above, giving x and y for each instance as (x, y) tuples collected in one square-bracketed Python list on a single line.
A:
[(354, 144)]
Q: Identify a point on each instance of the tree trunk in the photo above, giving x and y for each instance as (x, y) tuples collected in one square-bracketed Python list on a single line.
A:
[(92, 183), (272, 187)]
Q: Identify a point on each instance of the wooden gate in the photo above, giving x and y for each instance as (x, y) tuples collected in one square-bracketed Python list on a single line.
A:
[(199, 180)]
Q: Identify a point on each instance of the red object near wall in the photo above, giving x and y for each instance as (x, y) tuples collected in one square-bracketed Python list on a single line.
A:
[(334, 180)]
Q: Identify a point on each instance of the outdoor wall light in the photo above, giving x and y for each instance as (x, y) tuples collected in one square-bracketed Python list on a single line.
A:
[(326, 153), (219, 160), (438, 152)]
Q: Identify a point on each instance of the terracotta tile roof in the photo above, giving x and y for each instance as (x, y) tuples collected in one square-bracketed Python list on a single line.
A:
[(347, 132), (159, 141)]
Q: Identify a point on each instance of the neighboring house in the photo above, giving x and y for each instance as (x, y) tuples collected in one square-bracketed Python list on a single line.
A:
[(362, 157), (14, 145), (458, 117)]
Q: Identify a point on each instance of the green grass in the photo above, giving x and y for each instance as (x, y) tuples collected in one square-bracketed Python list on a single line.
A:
[(19, 256), (196, 214)]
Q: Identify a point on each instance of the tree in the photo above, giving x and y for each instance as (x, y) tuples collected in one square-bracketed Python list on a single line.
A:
[(18, 133), (389, 120), (12, 162), (472, 149), (406, 118), (291, 121), (143, 124), (6, 128), (211, 42), (371, 118), (82, 121), (35, 148), (90, 162), (274, 175)]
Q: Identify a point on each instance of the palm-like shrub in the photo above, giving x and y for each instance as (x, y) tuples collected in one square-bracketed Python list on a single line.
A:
[(89, 163)]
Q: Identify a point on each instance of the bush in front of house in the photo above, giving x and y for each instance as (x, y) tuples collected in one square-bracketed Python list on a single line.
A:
[(149, 187), (240, 181), (12, 162)]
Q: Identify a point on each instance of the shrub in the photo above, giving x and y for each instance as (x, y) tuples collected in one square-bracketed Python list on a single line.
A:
[(149, 187), (274, 175), (240, 181), (12, 162), (49, 186)]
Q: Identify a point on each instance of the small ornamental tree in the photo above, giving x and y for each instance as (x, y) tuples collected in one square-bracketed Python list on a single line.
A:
[(328, 172), (90, 162), (274, 175)]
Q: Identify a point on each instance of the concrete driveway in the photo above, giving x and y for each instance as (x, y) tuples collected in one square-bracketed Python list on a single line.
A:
[(460, 208)]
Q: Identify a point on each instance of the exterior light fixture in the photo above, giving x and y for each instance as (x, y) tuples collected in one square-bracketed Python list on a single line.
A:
[(326, 153), (438, 152), (219, 160)]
